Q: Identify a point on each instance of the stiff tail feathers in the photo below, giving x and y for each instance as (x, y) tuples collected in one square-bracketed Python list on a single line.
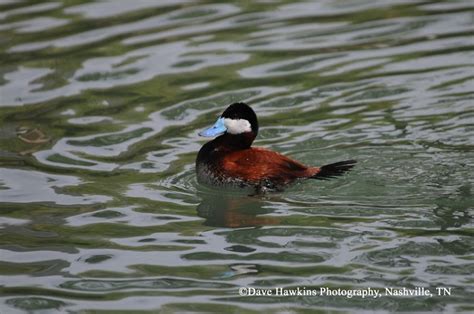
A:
[(333, 170)]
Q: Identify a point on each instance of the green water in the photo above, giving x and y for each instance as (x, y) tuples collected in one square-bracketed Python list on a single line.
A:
[(100, 107)]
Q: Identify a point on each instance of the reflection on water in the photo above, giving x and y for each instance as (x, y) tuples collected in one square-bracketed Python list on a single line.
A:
[(233, 211), (100, 105)]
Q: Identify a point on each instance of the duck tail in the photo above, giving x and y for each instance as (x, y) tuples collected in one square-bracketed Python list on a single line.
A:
[(333, 170)]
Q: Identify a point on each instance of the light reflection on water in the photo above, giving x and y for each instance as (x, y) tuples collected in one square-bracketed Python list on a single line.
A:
[(100, 106)]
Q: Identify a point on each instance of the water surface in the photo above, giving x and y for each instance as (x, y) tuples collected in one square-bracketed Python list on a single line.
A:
[(101, 103)]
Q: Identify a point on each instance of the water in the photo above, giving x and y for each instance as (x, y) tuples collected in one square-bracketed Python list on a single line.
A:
[(100, 106)]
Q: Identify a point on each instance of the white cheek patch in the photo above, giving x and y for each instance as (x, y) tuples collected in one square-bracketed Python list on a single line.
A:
[(237, 126)]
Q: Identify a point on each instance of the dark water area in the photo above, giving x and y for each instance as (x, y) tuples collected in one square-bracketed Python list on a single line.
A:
[(101, 103)]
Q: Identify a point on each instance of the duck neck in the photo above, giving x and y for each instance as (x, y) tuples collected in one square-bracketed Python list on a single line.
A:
[(236, 141)]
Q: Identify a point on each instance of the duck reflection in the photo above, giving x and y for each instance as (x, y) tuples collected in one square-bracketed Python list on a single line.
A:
[(234, 211)]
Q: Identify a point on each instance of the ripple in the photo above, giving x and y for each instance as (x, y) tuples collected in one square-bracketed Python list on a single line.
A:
[(127, 216), (107, 72), (110, 8), (33, 186), (178, 190), (37, 8), (89, 120), (163, 283), (35, 304), (96, 35), (35, 25)]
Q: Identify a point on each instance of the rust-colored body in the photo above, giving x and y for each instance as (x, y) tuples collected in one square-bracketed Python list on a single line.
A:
[(257, 164)]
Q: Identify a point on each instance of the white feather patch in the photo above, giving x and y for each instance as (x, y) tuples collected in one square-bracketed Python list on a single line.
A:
[(237, 126)]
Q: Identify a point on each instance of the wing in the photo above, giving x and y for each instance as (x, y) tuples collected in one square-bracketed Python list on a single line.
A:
[(257, 164)]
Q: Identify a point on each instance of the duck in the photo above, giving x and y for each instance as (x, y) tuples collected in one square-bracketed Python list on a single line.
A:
[(230, 160)]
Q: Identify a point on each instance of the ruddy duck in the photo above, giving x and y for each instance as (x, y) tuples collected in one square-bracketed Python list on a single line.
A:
[(229, 159)]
